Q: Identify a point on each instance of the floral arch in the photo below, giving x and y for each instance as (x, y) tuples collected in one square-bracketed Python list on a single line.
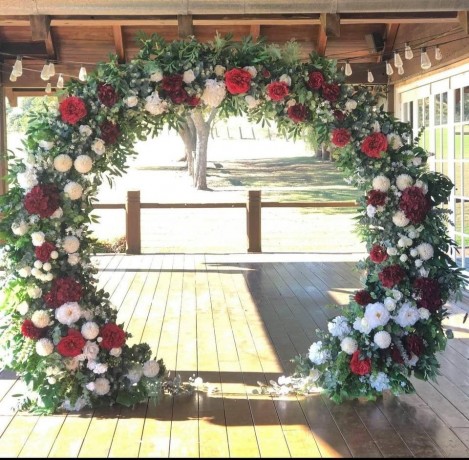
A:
[(59, 332)]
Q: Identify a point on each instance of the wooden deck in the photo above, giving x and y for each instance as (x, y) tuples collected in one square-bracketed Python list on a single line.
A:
[(235, 320)]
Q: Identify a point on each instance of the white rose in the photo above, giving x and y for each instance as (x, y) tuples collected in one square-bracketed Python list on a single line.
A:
[(131, 101), (151, 368), (100, 368), (46, 145), (90, 330), (85, 130), (219, 70), (102, 386), (115, 352), (71, 244), (68, 313), (251, 69), (20, 228), (83, 164), (73, 190), (73, 259), (397, 294), (424, 314), (58, 213), (382, 339), (285, 79), (349, 345), (391, 251), (381, 183), (156, 76), (38, 238), (400, 220), (44, 347), (63, 162), (22, 308), (251, 102), (98, 146), (403, 181), (188, 77), (90, 352), (350, 105), (403, 258), (40, 318), (390, 303), (24, 272), (370, 211)]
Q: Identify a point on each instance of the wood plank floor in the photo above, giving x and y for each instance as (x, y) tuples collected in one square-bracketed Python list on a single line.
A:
[(235, 320)]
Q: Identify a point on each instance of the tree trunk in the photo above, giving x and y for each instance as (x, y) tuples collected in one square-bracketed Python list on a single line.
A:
[(325, 152), (200, 161), (188, 135)]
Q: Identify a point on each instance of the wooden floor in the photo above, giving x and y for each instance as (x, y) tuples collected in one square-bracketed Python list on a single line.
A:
[(235, 320)]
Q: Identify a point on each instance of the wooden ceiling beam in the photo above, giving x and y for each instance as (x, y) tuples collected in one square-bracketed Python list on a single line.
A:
[(255, 31), (329, 27), (185, 26), (119, 43), (463, 18), (40, 32), (36, 49), (389, 40), (321, 43)]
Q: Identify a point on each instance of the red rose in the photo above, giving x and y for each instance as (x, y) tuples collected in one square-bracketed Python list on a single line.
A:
[(428, 294), (42, 200), (374, 144), (330, 91), (109, 132), (298, 112), (113, 336), (360, 366), (277, 90), (378, 254), (193, 101), (172, 83), (63, 290), (72, 344), (391, 276), (72, 110), (415, 204), (376, 198), (43, 252), (265, 73), (339, 115), (29, 330), (238, 81), (414, 344), (107, 95), (396, 354), (363, 297), (178, 96), (315, 80), (340, 137)]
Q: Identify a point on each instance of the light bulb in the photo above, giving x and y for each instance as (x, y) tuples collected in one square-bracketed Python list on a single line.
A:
[(389, 69), (408, 52), (82, 76), (438, 54), (348, 69), (13, 75), (51, 69), (425, 62), (60, 81), (45, 72), (400, 70), (48, 88), (18, 67), (397, 60), (371, 78)]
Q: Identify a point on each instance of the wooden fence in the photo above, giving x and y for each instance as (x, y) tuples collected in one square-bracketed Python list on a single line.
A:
[(253, 205)]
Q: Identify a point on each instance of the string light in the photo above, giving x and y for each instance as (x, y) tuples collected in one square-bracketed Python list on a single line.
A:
[(371, 78), (397, 59), (48, 88), (82, 76), (425, 62), (408, 53), (51, 69), (348, 69), (45, 72), (18, 67), (60, 81), (13, 76), (389, 69), (438, 54)]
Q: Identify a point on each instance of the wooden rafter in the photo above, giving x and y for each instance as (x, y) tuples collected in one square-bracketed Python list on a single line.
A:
[(185, 25), (463, 17), (119, 43), (41, 32), (321, 43), (255, 31), (389, 40), (329, 27)]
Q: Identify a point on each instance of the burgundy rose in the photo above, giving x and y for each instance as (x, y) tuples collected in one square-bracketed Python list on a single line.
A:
[(414, 344), (339, 115), (378, 254), (363, 297), (42, 199), (340, 137), (360, 366), (107, 94), (277, 90), (171, 83), (428, 293), (178, 96), (392, 275), (330, 91), (415, 204), (29, 330), (72, 110), (72, 344), (297, 112), (315, 80), (396, 354), (43, 252), (113, 336), (374, 144), (193, 101), (109, 132), (63, 290), (238, 81), (376, 198)]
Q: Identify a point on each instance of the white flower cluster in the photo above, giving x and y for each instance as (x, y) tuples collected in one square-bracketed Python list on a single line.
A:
[(404, 181), (214, 93), (349, 345), (28, 179), (339, 327), (98, 146), (381, 183), (155, 105), (382, 339), (399, 219), (425, 251), (20, 228), (317, 355)]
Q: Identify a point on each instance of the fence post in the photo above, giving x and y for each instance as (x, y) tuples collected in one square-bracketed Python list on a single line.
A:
[(132, 222), (253, 220)]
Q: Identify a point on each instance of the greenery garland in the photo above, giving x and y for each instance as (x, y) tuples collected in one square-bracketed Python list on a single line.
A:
[(59, 331)]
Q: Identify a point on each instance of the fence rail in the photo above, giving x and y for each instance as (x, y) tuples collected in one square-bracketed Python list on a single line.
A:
[(253, 207)]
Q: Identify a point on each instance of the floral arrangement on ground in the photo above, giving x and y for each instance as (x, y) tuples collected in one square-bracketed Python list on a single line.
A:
[(60, 332)]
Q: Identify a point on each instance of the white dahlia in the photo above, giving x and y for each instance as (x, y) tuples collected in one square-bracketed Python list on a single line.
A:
[(214, 93), (73, 259), (390, 303), (68, 313), (382, 339), (102, 386), (44, 347), (71, 244), (28, 179), (90, 330), (74, 190), (83, 164), (376, 314), (151, 368), (317, 355), (98, 146), (399, 219), (63, 162), (425, 251), (339, 327), (403, 181), (41, 318), (54, 255), (381, 183), (349, 345)]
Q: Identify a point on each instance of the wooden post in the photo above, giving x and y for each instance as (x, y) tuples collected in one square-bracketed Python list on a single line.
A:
[(3, 143), (253, 220), (132, 222)]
